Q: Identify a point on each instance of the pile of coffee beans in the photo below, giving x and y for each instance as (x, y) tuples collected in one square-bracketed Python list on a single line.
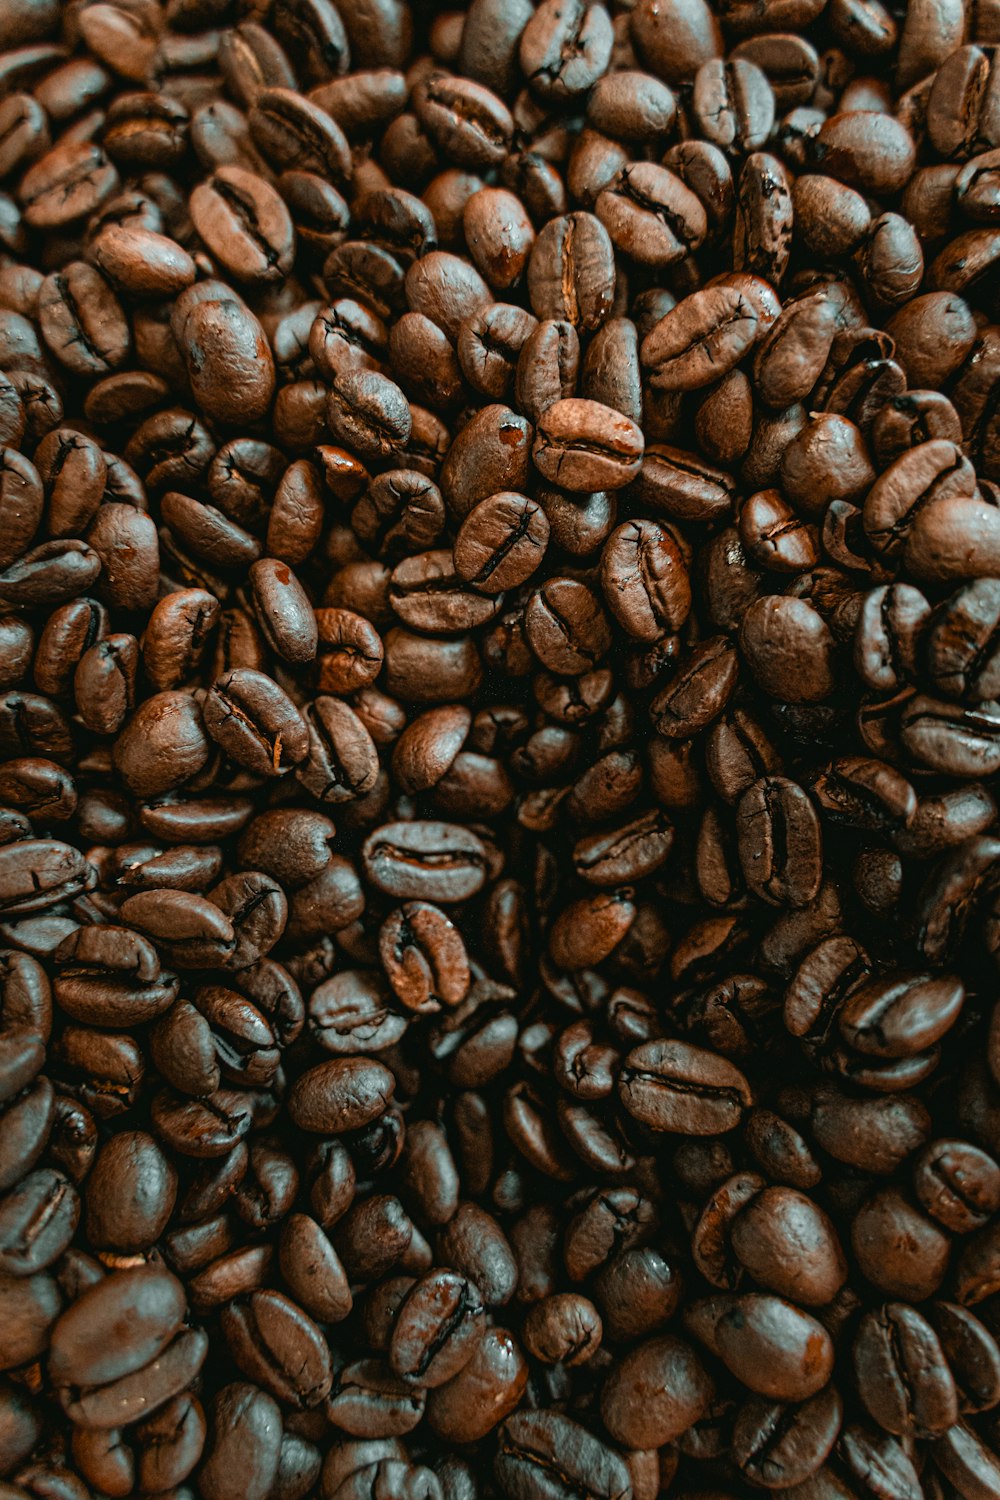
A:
[(500, 728)]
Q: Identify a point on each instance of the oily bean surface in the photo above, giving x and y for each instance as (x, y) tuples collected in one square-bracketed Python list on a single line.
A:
[(499, 750)]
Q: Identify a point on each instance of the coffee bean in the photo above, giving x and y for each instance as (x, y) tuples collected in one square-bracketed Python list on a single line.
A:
[(467, 122), (956, 1182), (683, 1389), (534, 1444), (706, 335), (217, 336), (245, 224), (774, 1347), (436, 1329), (772, 1443), (340, 1095), (571, 271), (485, 1391), (583, 445), (867, 150), (733, 104), (676, 1087), (903, 1378), (563, 52)]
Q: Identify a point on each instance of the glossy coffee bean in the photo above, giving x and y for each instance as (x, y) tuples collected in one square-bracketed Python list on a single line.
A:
[(498, 705)]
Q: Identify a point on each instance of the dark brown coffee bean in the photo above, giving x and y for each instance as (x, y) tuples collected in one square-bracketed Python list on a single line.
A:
[(291, 131), (733, 104), (698, 691), (870, 151), (684, 1393), (562, 51), (772, 1443), (227, 357), (547, 366), (966, 1462), (957, 1183), (780, 633), (571, 271), (340, 1095), (902, 1375), (651, 215), (66, 185), (771, 1345), (467, 123), (584, 446), (676, 1087), (534, 1444), (490, 454), (255, 722), (245, 224), (271, 1339), (369, 413), (437, 1328), (898, 1248), (489, 1387), (704, 336), (501, 542), (779, 842)]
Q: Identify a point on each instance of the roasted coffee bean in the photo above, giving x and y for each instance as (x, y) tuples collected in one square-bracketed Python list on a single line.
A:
[(865, 794), (501, 542), (733, 104), (283, 611), (245, 225), (771, 1345), (774, 1444), (645, 580), (945, 736), (255, 722), (571, 271), (931, 472), (368, 412), (220, 336), (960, 658), (340, 1095), (698, 692), (432, 860), (779, 842), (705, 336), (436, 1329), (66, 185), (583, 446), (676, 1087), (684, 1391), (790, 648), (651, 215), (484, 1392), (272, 1339), (543, 1449), (424, 957), (903, 1016), (245, 1441), (867, 150), (468, 123), (903, 1377), (562, 53), (899, 1249), (957, 1183), (290, 131)]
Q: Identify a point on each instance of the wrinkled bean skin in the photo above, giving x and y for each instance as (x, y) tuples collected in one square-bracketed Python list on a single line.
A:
[(499, 730)]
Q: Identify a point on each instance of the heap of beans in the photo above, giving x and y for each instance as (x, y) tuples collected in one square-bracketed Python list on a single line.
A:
[(500, 718)]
